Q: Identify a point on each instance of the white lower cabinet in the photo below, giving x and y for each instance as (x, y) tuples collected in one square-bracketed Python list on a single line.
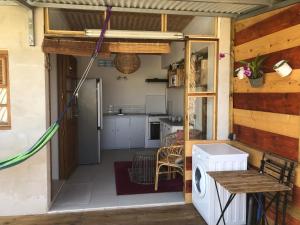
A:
[(123, 132), (108, 134), (137, 132)]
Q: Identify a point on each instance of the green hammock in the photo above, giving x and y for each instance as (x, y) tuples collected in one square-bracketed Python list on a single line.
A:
[(50, 132), (34, 149)]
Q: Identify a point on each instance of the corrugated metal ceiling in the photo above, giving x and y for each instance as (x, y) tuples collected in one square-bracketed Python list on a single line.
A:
[(186, 7), (78, 20)]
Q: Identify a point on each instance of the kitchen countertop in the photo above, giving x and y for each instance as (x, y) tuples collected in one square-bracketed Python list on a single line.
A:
[(169, 122), (125, 114)]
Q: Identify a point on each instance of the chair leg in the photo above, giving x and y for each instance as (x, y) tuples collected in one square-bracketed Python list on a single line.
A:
[(174, 174), (169, 173), (156, 177)]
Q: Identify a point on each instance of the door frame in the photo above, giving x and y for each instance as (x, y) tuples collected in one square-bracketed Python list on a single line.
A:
[(188, 144)]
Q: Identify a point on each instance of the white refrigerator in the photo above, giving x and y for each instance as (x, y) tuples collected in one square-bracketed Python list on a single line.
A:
[(90, 121)]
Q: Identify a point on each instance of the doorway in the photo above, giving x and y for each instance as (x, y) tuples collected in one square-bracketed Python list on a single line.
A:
[(95, 185)]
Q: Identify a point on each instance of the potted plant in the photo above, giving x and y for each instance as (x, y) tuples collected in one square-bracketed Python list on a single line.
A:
[(253, 70)]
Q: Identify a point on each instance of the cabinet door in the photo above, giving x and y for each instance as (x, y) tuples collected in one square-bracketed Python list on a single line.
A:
[(108, 140), (122, 132), (137, 132)]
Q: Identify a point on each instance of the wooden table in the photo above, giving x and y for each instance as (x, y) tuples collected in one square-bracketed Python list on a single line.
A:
[(246, 181)]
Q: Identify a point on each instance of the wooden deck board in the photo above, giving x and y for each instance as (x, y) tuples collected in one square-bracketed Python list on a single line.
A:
[(171, 215)]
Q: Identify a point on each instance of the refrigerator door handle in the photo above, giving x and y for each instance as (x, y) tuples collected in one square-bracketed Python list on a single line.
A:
[(99, 105)]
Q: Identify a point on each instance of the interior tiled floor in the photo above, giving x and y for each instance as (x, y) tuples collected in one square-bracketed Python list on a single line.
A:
[(93, 187)]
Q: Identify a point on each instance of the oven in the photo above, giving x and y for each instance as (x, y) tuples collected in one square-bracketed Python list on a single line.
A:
[(154, 131), (152, 138)]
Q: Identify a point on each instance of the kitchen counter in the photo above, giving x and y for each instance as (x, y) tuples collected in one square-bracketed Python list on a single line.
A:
[(125, 114), (169, 122)]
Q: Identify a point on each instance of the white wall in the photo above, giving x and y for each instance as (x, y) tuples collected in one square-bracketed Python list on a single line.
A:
[(133, 90), (224, 79), (176, 97), (199, 25), (24, 188)]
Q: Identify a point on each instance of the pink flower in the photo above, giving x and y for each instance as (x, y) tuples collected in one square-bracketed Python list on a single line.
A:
[(247, 71)]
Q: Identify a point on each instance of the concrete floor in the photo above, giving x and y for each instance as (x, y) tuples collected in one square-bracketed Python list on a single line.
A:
[(93, 187)]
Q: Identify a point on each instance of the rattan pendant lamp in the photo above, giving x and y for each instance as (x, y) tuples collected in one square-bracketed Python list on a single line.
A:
[(127, 63)]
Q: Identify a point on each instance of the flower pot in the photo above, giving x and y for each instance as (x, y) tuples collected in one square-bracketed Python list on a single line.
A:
[(283, 68), (258, 82)]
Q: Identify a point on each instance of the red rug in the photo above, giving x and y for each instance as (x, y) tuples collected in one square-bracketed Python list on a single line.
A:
[(125, 187)]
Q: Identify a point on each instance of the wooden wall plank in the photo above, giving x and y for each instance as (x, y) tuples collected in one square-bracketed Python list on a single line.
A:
[(245, 23), (292, 217), (266, 141), (277, 22), (188, 186), (188, 163), (296, 196), (291, 55), (273, 84), (188, 198), (297, 176), (282, 124), (255, 155), (284, 103), (283, 39), (188, 175)]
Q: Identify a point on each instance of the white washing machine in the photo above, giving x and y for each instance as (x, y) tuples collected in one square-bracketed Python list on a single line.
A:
[(217, 157)]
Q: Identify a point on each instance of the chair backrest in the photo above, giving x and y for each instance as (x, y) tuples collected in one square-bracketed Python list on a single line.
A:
[(280, 168)]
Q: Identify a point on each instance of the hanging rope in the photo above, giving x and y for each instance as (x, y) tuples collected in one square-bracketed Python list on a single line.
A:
[(46, 137)]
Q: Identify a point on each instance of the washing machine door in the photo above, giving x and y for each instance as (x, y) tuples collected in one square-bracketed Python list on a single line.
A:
[(199, 180)]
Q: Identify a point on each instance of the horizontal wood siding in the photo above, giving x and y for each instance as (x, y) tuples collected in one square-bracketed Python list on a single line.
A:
[(267, 119), (267, 141), (272, 122), (273, 84), (296, 196), (290, 54), (188, 186), (280, 40), (188, 163), (284, 103), (277, 22), (244, 24)]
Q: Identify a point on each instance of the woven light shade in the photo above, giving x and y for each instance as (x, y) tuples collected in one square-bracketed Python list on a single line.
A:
[(127, 63)]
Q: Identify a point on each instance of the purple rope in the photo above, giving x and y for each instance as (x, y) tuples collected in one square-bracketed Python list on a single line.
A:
[(96, 52), (103, 30)]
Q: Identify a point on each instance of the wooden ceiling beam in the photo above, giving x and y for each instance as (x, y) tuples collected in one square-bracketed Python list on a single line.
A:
[(140, 47), (73, 47), (86, 48)]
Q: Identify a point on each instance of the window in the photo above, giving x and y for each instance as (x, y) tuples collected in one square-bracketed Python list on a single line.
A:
[(5, 122)]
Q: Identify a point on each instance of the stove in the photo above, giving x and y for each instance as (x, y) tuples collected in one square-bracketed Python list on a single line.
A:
[(158, 114), (153, 130)]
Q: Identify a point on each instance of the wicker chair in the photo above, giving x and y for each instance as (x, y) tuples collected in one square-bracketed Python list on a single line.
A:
[(171, 157)]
